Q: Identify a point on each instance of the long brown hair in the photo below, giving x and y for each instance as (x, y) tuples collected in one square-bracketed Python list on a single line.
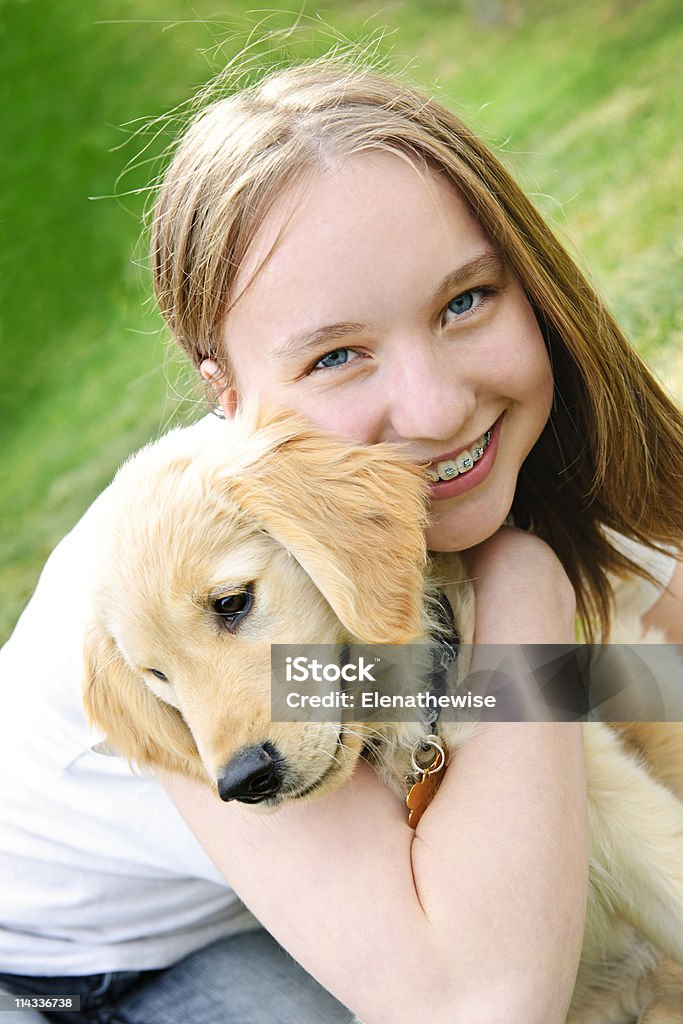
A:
[(612, 451)]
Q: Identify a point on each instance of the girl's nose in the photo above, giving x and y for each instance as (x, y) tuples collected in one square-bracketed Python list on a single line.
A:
[(427, 399)]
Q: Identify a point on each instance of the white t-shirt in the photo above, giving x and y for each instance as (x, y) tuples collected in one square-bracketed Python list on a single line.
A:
[(636, 597), (98, 872)]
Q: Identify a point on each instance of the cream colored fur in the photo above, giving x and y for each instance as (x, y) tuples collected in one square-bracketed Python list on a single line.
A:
[(332, 540)]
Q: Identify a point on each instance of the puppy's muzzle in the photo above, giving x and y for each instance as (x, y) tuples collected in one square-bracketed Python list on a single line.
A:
[(252, 775)]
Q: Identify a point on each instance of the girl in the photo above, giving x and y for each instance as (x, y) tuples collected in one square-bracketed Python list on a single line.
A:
[(340, 244)]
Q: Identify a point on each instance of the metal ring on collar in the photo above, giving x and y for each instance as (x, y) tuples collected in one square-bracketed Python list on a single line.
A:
[(428, 743)]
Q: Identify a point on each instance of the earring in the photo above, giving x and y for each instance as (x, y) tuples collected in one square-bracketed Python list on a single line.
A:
[(209, 371)]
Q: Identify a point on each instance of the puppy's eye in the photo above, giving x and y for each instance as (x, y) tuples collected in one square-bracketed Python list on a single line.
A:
[(159, 674), (233, 607)]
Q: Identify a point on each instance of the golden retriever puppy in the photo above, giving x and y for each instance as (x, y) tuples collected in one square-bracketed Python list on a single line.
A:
[(263, 531)]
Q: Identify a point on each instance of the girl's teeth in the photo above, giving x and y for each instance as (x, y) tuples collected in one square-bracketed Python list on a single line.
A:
[(447, 469), (464, 461), (480, 446), (450, 468)]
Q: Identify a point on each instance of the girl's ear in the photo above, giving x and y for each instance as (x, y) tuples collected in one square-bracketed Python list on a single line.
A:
[(214, 376), (354, 519), (136, 724)]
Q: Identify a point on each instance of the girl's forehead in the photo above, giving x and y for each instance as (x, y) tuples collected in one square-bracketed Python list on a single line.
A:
[(374, 205)]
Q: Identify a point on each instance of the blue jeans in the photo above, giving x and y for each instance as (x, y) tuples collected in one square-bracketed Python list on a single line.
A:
[(244, 979)]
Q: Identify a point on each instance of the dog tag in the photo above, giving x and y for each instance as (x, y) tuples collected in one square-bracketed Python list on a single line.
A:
[(422, 792)]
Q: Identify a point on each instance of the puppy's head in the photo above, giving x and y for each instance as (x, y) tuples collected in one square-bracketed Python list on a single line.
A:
[(222, 541)]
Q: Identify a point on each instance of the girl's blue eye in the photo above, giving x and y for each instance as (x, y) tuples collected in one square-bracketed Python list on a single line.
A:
[(465, 302), (336, 358)]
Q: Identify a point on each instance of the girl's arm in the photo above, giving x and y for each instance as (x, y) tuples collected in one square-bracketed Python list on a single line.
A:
[(478, 915)]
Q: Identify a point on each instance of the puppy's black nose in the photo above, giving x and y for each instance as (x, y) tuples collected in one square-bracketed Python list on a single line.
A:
[(250, 776)]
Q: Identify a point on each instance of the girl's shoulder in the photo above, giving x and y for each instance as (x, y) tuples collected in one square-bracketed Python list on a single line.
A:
[(636, 596)]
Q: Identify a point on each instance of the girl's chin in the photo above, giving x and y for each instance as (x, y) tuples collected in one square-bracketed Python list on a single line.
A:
[(458, 532), (440, 542)]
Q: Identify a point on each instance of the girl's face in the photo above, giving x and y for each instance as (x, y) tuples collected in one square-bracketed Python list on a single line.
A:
[(373, 304)]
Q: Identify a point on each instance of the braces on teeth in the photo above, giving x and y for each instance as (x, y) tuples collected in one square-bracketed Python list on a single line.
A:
[(462, 463)]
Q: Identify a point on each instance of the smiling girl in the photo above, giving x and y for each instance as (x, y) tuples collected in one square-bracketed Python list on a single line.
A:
[(414, 330), (343, 246)]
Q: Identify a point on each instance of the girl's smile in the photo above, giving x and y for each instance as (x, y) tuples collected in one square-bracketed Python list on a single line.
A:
[(458, 471), (372, 303)]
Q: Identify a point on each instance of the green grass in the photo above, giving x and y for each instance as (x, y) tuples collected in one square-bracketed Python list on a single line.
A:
[(582, 100)]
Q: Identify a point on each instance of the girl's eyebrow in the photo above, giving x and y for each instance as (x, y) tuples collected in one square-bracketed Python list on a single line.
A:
[(489, 265), (485, 265), (305, 341)]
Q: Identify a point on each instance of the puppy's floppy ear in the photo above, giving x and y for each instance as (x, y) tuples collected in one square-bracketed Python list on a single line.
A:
[(136, 724), (354, 519)]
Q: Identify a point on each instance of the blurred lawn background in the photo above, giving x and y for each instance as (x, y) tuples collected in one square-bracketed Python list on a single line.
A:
[(582, 98)]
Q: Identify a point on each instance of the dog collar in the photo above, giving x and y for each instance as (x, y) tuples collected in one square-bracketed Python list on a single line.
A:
[(445, 645)]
